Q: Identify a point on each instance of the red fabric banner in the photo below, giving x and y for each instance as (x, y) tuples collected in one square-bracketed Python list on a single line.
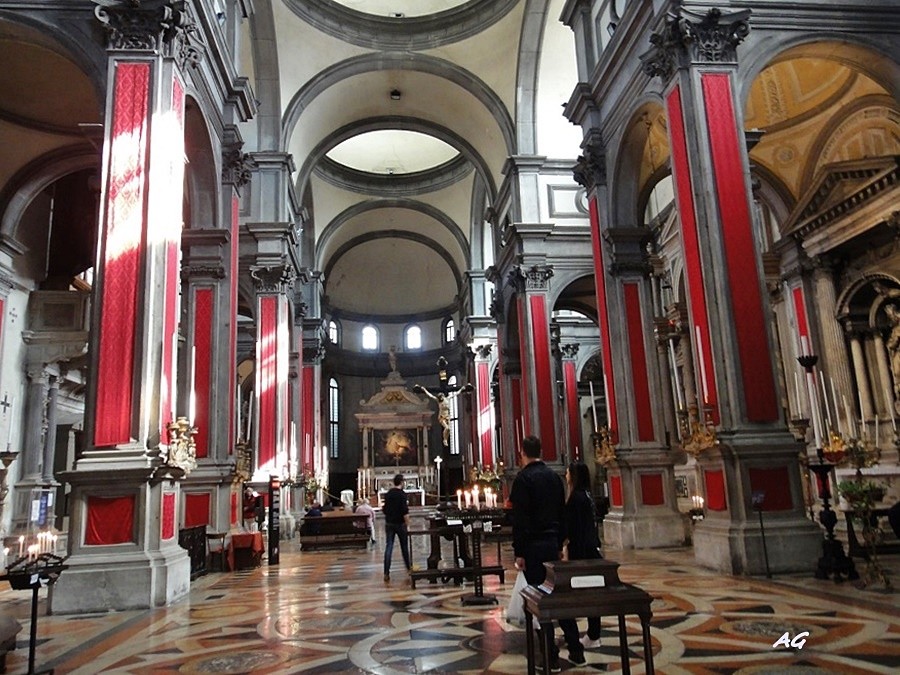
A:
[(615, 490), (715, 490), (308, 407), (234, 508), (196, 508), (684, 193), (485, 425), (110, 520), (609, 383), (524, 408), (167, 518), (267, 380), (776, 485), (204, 310), (122, 244), (639, 374), (758, 380), (652, 489), (546, 384)]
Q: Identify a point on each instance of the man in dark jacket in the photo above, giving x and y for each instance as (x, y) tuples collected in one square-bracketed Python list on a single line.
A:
[(396, 520), (538, 502)]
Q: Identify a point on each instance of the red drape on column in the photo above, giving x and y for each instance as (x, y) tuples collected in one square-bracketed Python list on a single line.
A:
[(715, 490), (308, 419), (691, 245), (615, 490), (639, 374), (546, 385), (167, 517), (776, 485), (122, 244), (232, 326), (609, 383), (757, 379), (573, 415), (196, 509), (524, 408), (267, 380), (204, 310), (652, 489), (110, 520), (485, 431)]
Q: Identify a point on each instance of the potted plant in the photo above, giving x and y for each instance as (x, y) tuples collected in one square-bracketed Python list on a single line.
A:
[(861, 495)]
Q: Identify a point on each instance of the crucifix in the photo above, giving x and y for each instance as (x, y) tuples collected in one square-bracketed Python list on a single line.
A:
[(5, 404), (443, 395)]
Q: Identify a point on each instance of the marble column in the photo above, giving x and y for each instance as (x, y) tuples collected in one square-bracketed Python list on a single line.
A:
[(49, 450)]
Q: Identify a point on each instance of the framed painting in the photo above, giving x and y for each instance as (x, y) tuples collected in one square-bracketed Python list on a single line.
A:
[(396, 447)]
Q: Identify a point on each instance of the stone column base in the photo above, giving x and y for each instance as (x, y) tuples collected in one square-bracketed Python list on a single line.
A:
[(135, 580), (644, 530), (792, 545)]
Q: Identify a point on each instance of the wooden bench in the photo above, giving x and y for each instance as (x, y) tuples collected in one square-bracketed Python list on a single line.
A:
[(857, 548), (334, 529)]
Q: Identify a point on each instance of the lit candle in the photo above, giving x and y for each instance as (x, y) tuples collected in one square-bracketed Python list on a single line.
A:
[(797, 389), (468, 495), (593, 406), (21, 545), (9, 428), (475, 497), (459, 499)]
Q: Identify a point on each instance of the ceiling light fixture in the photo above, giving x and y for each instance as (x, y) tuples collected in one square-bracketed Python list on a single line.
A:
[(395, 94)]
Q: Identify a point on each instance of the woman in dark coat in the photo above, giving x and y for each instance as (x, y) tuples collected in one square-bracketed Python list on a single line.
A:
[(581, 529)]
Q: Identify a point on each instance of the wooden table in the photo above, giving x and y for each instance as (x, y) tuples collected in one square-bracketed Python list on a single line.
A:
[(246, 550), (583, 588)]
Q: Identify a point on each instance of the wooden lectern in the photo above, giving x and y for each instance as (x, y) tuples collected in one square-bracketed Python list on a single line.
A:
[(583, 588)]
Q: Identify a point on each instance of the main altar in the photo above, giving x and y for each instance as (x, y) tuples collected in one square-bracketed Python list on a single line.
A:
[(395, 425)]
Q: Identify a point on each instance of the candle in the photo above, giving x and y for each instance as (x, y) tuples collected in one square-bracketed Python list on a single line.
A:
[(9, 428), (21, 545), (797, 389), (459, 499), (837, 415), (815, 411), (677, 383), (608, 401), (702, 362), (876, 431), (862, 414), (475, 501), (468, 496), (825, 401), (593, 406), (522, 422)]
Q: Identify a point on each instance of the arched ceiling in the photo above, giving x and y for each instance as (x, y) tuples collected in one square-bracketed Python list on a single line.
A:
[(399, 115)]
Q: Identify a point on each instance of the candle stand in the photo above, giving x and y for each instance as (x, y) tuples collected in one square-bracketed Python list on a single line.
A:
[(833, 561), (34, 572)]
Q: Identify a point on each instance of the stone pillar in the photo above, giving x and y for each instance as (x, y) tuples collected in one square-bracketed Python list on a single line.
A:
[(833, 349), (35, 421), (49, 450), (123, 542), (862, 377), (695, 55), (569, 352)]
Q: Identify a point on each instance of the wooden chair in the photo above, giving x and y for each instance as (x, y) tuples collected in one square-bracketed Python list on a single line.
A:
[(215, 551)]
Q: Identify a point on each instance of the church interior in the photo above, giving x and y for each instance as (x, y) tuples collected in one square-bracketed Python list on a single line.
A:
[(283, 250)]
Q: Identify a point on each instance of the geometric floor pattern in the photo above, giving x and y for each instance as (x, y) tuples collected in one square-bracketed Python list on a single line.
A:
[(330, 612)]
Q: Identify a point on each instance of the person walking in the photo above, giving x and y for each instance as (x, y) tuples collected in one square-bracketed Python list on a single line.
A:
[(538, 515), (582, 542), (396, 521)]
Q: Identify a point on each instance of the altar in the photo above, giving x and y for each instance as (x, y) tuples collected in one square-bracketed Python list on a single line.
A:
[(395, 424)]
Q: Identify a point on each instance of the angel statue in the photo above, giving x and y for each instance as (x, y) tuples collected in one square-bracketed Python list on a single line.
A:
[(443, 403)]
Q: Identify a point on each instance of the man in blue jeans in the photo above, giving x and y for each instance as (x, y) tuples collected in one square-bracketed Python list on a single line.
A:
[(396, 519)]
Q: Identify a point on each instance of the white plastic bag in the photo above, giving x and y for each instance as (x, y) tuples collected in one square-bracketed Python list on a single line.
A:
[(515, 611)]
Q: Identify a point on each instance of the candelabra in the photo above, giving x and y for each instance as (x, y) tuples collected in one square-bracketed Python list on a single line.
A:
[(697, 435), (182, 452), (833, 561), (604, 450)]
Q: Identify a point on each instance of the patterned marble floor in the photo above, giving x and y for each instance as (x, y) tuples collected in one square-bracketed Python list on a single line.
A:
[(330, 611)]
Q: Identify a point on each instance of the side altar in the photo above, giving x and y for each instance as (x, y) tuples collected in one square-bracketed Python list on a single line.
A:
[(395, 424)]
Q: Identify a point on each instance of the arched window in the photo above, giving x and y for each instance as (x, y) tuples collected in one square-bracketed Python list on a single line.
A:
[(453, 404), (334, 335), (449, 331), (334, 418), (413, 337), (370, 338)]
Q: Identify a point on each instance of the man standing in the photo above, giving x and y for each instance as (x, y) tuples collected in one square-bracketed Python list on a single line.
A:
[(396, 520), (538, 503)]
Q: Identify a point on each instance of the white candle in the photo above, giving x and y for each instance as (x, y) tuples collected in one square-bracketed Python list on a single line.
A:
[(825, 400), (522, 422), (837, 414), (606, 395), (678, 392), (192, 411), (9, 428), (862, 414), (475, 501), (21, 545), (797, 389), (702, 363), (876, 431), (593, 406), (468, 495), (815, 412), (459, 499)]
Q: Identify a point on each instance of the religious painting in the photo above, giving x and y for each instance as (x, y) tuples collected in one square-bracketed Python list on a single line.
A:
[(396, 447), (681, 486)]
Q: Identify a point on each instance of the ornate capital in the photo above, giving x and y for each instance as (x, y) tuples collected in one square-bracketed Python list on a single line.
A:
[(272, 278), (166, 28), (483, 351), (590, 168), (534, 278), (569, 350), (237, 166), (691, 37)]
